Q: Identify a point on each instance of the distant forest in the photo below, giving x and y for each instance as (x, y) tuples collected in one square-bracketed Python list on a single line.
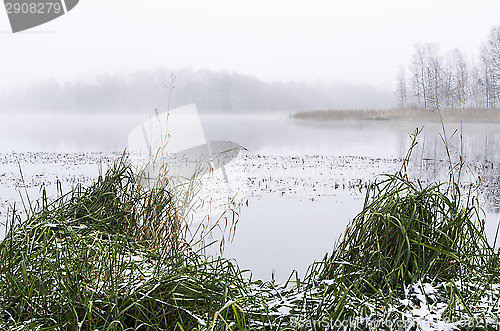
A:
[(434, 81), (212, 91)]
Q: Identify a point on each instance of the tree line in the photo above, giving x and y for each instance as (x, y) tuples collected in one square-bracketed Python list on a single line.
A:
[(434, 81), (212, 91)]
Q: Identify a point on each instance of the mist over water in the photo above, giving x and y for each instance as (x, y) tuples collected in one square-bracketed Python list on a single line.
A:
[(66, 133), (268, 134), (212, 92)]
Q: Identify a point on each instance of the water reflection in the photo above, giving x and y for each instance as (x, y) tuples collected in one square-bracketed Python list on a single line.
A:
[(291, 230), (65, 133), (283, 234), (274, 135)]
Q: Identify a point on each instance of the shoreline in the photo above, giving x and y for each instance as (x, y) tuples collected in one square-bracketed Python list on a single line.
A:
[(411, 115)]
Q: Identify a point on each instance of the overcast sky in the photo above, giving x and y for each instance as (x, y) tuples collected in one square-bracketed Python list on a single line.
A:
[(360, 41)]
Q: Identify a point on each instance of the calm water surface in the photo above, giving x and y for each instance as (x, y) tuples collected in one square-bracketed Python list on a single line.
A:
[(274, 233)]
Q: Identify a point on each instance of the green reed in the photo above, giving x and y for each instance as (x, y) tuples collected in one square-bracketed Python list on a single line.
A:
[(113, 256)]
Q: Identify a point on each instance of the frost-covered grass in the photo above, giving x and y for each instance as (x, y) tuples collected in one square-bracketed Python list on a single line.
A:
[(112, 256), (117, 256), (417, 253)]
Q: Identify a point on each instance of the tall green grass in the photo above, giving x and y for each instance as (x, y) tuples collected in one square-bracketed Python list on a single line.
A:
[(113, 256), (408, 233), (408, 230)]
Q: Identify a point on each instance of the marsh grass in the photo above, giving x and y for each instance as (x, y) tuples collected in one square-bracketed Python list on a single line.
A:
[(408, 234), (113, 256), (427, 115), (408, 230)]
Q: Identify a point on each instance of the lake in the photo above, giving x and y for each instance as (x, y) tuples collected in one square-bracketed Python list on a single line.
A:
[(306, 179)]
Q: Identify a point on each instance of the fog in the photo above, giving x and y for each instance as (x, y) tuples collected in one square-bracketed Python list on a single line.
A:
[(359, 41), (243, 57), (212, 91)]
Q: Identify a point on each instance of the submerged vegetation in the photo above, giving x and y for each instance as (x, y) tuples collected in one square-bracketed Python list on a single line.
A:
[(116, 256)]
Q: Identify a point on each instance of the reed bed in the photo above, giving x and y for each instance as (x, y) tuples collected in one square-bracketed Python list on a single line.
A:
[(406, 114)]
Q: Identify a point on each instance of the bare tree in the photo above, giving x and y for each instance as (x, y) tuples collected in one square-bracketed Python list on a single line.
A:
[(402, 90), (476, 88), (461, 79), (447, 83), (427, 72), (420, 85), (434, 76), (493, 47), (487, 77), (454, 80), (489, 68)]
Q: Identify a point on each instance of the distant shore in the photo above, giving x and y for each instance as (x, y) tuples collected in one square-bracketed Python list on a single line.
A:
[(424, 115)]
